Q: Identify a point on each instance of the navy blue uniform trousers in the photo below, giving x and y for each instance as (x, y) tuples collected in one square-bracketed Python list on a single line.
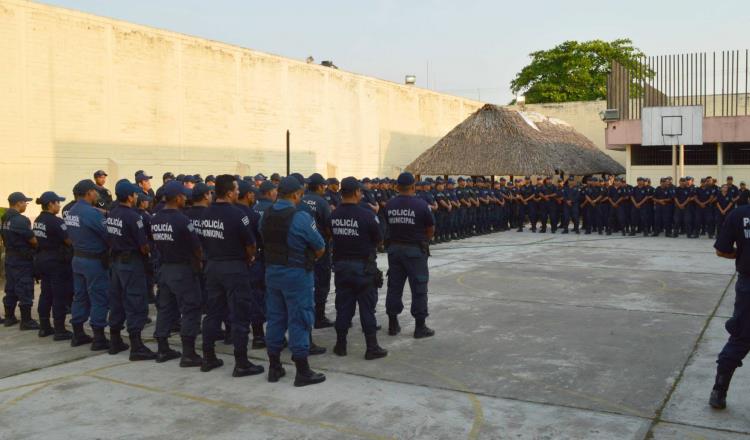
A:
[(407, 262), (128, 298), (179, 298), (228, 288), (19, 281), (738, 327), (57, 286), (355, 287), (91, 292)]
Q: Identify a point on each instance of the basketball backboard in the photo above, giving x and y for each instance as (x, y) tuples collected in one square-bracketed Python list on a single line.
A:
[(672, 125)]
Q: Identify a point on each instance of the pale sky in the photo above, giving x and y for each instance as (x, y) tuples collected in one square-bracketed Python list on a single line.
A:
[(473, 48)]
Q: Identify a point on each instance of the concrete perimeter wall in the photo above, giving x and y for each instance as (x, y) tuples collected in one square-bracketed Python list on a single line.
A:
[(80, 92)]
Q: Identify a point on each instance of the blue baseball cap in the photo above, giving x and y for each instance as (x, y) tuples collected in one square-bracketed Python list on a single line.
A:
[(245, 187), (84, 186), (189, 178), (267, 186), (174, 188), (260, 176), (405, 179), (124, 188), (49, 197), (350, 184), (289, 185), (300, 178), (100, 173), (316, 179), (143, 197), (17, 197), (141, 176), (200, 189), (210, 178)]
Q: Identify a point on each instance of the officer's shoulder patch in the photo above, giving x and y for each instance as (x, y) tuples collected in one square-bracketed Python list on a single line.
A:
[(63, 226), (190, 227), (314, 226), (377, 220), (139, 223), (245, 221)]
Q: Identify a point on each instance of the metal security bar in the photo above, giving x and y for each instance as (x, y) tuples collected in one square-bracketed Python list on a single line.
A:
[(718, 81)]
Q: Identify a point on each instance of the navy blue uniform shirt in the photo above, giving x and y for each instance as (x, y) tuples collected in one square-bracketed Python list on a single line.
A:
[(356, 231), (87, 228), (125, 229), (174, 236), (318, 209), (50, 232), (225, 232), (408, 218), (736, 232), (16, 230)]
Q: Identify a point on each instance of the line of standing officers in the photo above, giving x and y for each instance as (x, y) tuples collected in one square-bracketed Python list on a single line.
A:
[(604, 205), (227, 252)]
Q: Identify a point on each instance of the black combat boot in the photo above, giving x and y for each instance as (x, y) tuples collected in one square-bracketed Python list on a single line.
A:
[(393, 327), (164, 352), (374, 351), (340, 347), (210, 361), (61, 333), (275, 370), (10, 316), (100, 342), (116, 344), (564, 231), (320, 317), (26, 322), (718, 398), (189, 357), (138, 350), (79, 336), (305, 376), (315, 349), (45, 328), (259, 337), (243, 367), (422, 331)]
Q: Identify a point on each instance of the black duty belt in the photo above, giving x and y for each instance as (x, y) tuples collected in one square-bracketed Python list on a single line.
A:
[(26, 253), (89, 255)]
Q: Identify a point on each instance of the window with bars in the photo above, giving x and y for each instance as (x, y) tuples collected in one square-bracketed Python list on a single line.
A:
[(706, 154), (736, 153), (640, 155)]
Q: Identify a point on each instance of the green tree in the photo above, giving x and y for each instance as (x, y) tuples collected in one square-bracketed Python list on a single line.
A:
[(574, 71)]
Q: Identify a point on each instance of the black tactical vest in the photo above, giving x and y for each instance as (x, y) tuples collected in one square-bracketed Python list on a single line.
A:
[(275, 231)]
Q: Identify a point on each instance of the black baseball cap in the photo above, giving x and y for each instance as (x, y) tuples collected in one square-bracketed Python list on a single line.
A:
[(16, 197), (100, 173), (350, 184)]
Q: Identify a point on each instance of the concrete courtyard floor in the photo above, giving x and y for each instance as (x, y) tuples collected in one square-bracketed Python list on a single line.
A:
[(538, 337)]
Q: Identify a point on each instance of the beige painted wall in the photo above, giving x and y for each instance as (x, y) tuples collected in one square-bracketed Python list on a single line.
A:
[(80, 92)]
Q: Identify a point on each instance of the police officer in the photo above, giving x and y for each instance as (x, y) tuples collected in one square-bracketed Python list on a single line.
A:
[(105, 197), (411, 227), (591, 197), (127, 290), (20, 243), (266, 198), (201, 199), (572, 197), (724, 205), (356, 236), (617, 197), (229, 244), (733, 243), (291, 243), (663, 199), (143, 180), (52, 264), (683, 222), (314, 204), (88, 232), (332, 195), (256, 271), (179, 286)]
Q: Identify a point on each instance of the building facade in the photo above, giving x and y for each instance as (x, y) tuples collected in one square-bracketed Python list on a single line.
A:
[(715, 82)]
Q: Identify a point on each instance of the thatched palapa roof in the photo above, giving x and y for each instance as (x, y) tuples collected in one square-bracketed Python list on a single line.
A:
[(501, 142)]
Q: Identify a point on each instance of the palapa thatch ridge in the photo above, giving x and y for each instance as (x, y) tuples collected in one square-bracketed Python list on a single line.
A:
[(502, 142)]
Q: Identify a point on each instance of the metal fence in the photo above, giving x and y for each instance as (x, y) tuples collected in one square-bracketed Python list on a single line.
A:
[(718, 81)]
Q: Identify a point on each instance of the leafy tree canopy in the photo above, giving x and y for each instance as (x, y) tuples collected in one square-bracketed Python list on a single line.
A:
[(573, 71)]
